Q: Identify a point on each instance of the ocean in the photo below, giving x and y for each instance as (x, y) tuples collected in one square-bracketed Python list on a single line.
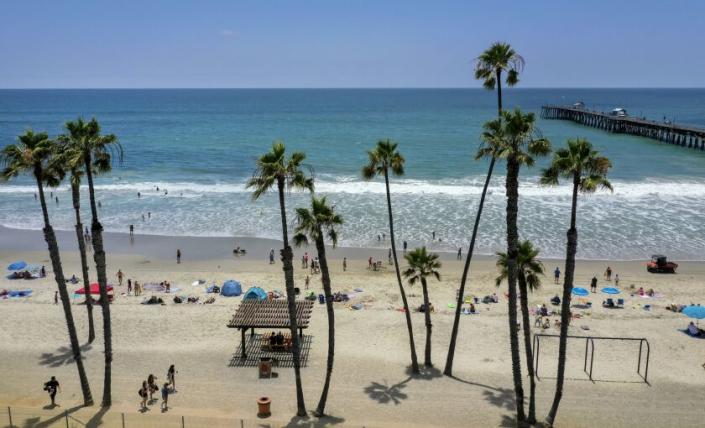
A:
[(200, 146)]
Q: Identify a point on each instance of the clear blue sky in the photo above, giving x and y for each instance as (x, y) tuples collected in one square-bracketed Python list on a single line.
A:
[(331, 43)]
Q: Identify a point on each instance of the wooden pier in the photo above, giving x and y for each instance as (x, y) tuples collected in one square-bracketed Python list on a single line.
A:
[(679, 135)]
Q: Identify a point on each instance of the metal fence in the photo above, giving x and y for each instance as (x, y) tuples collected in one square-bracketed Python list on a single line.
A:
[(81, 417)]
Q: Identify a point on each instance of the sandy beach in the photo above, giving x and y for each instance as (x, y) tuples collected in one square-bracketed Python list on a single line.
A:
[(371, 385)]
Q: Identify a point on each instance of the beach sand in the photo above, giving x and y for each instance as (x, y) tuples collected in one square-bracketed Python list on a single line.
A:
[(371, 385)]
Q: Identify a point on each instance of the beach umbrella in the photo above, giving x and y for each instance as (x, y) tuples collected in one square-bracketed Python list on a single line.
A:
[(580, 291), (94, 289), (19, 265), (697, 312), (610, 290)]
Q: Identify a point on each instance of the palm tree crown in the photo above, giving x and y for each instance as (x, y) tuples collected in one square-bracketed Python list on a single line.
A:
[(31, 152), (317, 223), (383, 158), (273, 167), (513, 136), (529, 267), (492, 62), (85, 138), (579, 161), (421, 265)]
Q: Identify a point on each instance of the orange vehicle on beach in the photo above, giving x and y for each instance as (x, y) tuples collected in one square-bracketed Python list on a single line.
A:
[(660, 264)]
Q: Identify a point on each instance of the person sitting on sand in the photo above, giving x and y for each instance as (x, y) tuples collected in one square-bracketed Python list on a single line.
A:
[(650, 293), (546, 324), (472, 308), (495, 299), (555, 300), (544, 310), (694, 331), (641, 291)]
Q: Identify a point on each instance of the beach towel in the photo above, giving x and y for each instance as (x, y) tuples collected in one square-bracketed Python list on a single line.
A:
[(359, 290), (19, 293)]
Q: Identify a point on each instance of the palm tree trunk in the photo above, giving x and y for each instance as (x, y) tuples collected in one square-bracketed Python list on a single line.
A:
[(427, 319), (407, 312), (512, 186), (327, 291), (76, 196), (448, 371), (99, 258), (287, 260), (524, 303), (55, 257), (565, 304)]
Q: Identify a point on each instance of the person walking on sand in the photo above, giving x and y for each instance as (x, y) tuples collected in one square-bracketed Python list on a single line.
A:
[(556, 275), (271, 256), (306, 282), (345, 264), (165, 397), (152, 386), (178, 256), (460, 253), (616, 280), (43, 272), (404, 244), (143, 393), (119, 277), (608, 274), (52, 386), (56, 297), (129, 286), (593, 284), (171, 377)]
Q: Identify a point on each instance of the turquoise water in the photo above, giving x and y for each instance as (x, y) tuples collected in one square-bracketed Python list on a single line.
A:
[(201, 145)]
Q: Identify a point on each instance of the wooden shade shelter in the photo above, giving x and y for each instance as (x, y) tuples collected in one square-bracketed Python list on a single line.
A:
[(269, 314)]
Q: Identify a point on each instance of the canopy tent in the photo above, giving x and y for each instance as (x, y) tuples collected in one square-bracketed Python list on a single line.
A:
[(18, 265), (231, 288), (255, 293), (94, 289)]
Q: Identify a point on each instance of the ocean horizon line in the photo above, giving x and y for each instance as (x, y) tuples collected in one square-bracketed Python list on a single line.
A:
[(381, 88)]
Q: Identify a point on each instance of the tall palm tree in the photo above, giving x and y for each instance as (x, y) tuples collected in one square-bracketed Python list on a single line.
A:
[(72, 160), (383, 160), (529, 272), (316, 224), (489, 66), (97, 152), (31, 155), (588, 172), (275, 169), (422, 265), (514, 139)]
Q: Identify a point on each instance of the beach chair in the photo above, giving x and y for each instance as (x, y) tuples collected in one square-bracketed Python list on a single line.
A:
[(620, 303), (609, 303)]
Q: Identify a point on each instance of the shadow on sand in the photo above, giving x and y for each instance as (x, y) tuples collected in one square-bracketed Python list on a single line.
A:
[(62, 356)]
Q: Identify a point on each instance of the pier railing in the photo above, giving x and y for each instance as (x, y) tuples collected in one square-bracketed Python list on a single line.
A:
[(671, 133)]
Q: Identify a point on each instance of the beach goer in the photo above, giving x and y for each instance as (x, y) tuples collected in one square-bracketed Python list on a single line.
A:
[(143, 393), (616, 280), (167, 287), (52, 386), (641, 291), (556, 275), (593, 284), (165, 397), (303, 262), (306, 259), (460, 253), (433, 235), (139, 195), (345, 264), (369, 263), (389, 256), (129, 286), (149, 215), (178, 256), (143, 219), (171, 377), (119, 277), (152, 386), (132, 230), (404, 244), (608, 274), (272, 339), (271, 256), (379, 238), (384, 236), (100, 205), (56, 297), (57, 200), (43, 272), (555, 300), (306, 282), (35, 196)]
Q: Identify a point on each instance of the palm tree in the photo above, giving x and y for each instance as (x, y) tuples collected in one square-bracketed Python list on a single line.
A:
[(513, 137), (588, 171), (383, 159), (421, 266), (529, 270), (31, 155), (315, 224), (97, 151), (274, 169), (72, 160), (489, 67)]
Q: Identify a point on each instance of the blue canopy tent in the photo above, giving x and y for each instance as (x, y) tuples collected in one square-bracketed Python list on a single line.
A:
[(18, 265), (580, 291), (255, 293), (231, 288), (610, 290)]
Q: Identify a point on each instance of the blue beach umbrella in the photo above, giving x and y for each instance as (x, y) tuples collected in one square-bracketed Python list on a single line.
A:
[(697, 312), (19, 265), (610, 290), (580, 291)]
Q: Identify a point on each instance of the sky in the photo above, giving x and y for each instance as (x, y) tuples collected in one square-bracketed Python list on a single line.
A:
[(336, 43)]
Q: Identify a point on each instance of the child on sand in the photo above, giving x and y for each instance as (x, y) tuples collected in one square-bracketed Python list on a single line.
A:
[(165, 397)]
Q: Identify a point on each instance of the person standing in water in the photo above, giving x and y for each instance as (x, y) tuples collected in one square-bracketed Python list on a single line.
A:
[(132, 230), (460, 253), (345, 264), (178, 256)]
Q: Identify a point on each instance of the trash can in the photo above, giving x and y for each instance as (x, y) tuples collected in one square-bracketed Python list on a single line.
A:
[(263, 404), (265, 367), (321, 299)]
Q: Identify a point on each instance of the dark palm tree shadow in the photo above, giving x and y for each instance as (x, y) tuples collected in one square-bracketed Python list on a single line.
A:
[(36, 423), (384, 393), (62, 356), (97, 419), (324, 421), (502, 397), (425, 373)]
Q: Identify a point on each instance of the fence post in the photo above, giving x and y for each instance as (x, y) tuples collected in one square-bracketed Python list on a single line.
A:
[(66, 416), (9, 415), (242, 423), (183, 424), (123, 419)]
